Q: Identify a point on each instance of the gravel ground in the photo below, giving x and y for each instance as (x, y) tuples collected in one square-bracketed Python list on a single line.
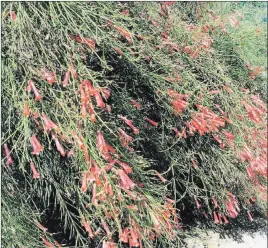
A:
[(212, 240)]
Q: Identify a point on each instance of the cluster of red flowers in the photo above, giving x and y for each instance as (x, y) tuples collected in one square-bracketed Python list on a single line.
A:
[(104, 148), (205, 121), (86, 92), (218, 216), (37, 147), (232, 206), (203, 43), (256, 113), (178, 101), (164, 217)]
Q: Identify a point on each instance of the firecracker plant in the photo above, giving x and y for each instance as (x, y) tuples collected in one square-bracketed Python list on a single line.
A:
[(122, 122)]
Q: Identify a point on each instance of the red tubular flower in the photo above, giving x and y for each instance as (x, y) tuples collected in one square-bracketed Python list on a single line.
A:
[(249, 216), (46, 243), (89, 42), (153, 22), (106, 228), (108, 244), (160, 177), (259, 102), (228, 89), (8, 156), (86, 41), (170, 200), (195, 54), (216, 137), (97, 169), (110, 148), (30, 87), (180, 134), (13, 16), (205, 28), (127, 183), (127, 137), (250, 171), (58, 145), (37, 147), (119, 51), (36, 175), (205, 214), (44, 229), (125, 12), (106, 92), (90, 108), (99, 101), (87, 226), (233, 22), (152, 122), (124, 235), (132, 207), (194, 164), (129, 123), (133, 239), (231, 209), (229, 136), (87, 158), (12, 192), (124, 33), (108, 108), (50, 77), (111, 164), (83, 111), (79, 140), (94, 192), (26, 110), (220, 220), (109, 189), (84, 182), (125, 166), (103, 147), (65, 81), (214, 202), (49, 124), (197, 203), (216, 220), (91, 176), (225, 219), (187, 49)]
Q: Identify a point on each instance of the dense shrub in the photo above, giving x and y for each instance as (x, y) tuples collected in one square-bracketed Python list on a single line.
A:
[(125, 124)]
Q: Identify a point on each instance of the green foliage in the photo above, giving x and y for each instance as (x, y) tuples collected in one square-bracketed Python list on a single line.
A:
[(184, 64)]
